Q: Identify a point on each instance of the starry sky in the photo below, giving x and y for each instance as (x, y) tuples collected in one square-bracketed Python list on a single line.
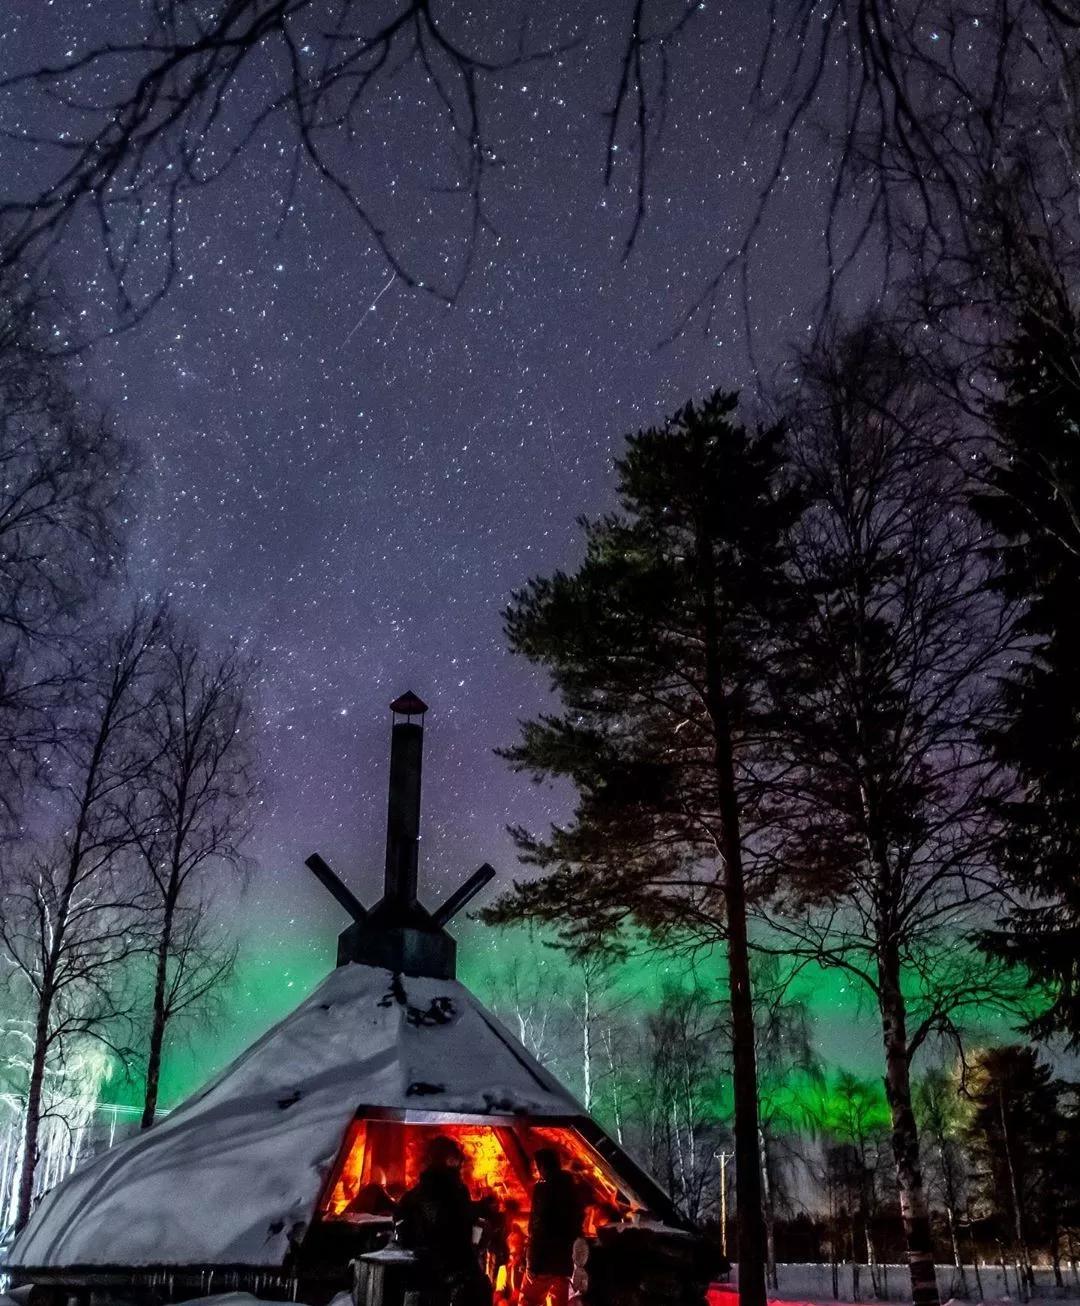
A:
[(352, 477)]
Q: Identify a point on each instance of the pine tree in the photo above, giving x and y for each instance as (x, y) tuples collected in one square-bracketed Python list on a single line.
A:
[(658, 648), (1032, 503), (1013, 1133)]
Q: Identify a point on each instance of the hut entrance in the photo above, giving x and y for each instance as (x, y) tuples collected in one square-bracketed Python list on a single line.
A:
[(382, 1158)]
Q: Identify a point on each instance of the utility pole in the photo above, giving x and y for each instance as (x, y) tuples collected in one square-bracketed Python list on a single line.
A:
[(722, 1157)]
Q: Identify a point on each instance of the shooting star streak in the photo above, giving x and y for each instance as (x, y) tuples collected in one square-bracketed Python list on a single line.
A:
[(370, 308)]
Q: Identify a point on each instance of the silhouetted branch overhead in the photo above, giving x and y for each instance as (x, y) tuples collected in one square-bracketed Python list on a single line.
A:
[(150, 118), (932, 127), (923, 119)]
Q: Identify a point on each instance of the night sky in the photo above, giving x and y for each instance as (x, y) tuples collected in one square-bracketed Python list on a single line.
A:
[(352, 477)]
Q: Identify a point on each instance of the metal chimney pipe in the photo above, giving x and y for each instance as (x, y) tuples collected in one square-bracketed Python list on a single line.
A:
[(403, 805)]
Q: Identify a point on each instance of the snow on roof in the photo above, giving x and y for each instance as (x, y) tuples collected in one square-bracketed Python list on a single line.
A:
[(229, 1175)]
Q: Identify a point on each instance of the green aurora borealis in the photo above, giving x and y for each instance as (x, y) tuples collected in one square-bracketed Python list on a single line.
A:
[(276, 972)]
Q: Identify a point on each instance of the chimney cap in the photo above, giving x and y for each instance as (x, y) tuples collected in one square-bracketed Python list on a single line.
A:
[(408, 705)]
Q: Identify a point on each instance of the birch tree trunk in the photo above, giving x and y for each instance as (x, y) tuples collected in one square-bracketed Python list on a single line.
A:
[(616, 1092), (160, 1016), (771, 1277), (32, 1114), (53, 933), (1024, 1270), (958, 1260), (914, 1209)]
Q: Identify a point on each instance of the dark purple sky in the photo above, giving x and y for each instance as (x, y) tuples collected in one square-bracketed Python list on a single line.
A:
[(353, 477)]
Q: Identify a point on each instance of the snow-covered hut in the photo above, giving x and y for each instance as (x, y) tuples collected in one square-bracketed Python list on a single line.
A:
[(284, 1168)]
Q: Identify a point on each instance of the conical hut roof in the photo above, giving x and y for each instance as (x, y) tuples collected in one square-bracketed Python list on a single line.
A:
[(233, 1173)]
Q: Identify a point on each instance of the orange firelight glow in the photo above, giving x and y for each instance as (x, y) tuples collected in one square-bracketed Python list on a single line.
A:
[(381, 1159)]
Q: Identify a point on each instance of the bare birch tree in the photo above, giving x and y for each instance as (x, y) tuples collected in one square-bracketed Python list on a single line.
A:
[(526, 983), (190, 826), (892, 684), (788, 1068), (940, 1112), (855, 1121), (674, 1103), (72, 909), (592, 1009)]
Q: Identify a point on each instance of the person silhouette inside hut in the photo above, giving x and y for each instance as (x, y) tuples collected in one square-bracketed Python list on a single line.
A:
[(555, 1224), (436, 1220)]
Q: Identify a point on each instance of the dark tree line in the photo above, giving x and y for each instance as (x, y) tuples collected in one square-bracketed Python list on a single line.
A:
[(661, 1083), (1018, 1132), (1031, 500)]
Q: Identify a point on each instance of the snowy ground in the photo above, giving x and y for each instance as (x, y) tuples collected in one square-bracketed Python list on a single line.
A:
[(222, 1299), (246, 1299), (800, 1285), (813, 1283)]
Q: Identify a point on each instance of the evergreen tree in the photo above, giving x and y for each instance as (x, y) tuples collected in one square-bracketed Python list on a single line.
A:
[(1032, 503), (658, 647), (1013, 1134)]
